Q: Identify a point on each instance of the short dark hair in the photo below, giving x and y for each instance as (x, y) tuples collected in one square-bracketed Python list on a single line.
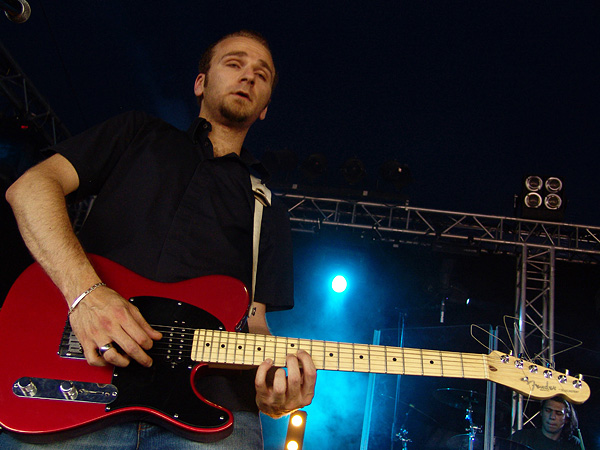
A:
[(571, 423), (207, 56)]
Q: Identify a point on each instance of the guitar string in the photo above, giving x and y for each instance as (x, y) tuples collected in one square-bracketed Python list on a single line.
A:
[(347, 358)]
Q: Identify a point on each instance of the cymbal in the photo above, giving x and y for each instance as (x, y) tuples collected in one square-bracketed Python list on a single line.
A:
[(460, 399), (461, 442), (464, 399)]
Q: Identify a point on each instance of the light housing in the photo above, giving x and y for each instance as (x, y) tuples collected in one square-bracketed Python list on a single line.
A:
[(542, 198)]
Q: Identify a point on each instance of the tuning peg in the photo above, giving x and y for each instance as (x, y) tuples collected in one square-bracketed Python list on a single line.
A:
[(567, 372), (580, 377)]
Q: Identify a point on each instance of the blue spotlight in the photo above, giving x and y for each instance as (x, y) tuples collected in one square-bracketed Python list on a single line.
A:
[(339, 284)]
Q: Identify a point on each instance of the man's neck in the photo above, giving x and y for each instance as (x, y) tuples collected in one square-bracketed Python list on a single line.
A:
[(226, 139)]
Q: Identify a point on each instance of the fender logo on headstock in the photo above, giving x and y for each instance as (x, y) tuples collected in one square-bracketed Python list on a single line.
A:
[(533, 386)]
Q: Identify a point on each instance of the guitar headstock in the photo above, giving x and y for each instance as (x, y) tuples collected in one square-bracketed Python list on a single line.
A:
[(533, 380)]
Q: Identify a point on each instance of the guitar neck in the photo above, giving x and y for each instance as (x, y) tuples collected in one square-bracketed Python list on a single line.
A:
[(223, 347)]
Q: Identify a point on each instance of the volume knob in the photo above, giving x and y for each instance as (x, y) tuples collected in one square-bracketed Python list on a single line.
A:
[(68, 390)]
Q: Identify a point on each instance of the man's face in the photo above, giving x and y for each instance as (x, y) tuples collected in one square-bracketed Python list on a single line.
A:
[(553, 418), (238, 85)]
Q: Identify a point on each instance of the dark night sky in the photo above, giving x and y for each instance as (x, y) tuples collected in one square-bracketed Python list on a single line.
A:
[(471, 95)]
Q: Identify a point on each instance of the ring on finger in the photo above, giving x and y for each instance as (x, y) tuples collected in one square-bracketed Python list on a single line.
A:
[(106, 347)]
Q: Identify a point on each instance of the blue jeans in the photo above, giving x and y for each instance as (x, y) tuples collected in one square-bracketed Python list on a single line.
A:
[(247, 435)]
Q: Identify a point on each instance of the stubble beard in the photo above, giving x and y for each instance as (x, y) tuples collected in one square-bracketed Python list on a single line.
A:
[(234, 113)]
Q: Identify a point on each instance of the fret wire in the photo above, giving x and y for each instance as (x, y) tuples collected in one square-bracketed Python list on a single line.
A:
[(219, 336), (235, 349), (275, 351), (212, 345), (247, 351), (385, 358)]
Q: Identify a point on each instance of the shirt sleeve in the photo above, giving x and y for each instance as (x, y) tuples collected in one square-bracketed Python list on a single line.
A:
[(95, 152)]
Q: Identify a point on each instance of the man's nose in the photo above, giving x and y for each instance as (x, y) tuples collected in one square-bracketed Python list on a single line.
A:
[(248, 76)]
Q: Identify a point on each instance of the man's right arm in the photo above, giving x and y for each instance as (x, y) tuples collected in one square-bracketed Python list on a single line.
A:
[(38, 202)]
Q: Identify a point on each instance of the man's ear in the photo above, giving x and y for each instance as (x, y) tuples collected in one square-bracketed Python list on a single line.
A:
[(263, 113), (199, 85)]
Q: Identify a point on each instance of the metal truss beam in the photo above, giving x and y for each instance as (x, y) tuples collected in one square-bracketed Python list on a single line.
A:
[(534, 310), (471, 232), (28, 103)]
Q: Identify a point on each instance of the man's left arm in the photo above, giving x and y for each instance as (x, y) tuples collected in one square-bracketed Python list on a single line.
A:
[(278, 394)]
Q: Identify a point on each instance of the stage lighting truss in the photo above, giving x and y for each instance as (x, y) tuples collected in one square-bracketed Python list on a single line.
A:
[(403, 224)]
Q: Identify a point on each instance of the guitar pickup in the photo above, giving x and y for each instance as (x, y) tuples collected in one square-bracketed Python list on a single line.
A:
[(66, 390)]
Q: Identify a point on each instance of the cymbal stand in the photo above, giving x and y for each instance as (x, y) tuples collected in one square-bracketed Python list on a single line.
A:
[(472, 429), (402, 437)]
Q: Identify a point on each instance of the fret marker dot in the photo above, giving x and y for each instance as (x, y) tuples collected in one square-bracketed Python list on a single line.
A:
[(259, 349), (361, 356), (431, 362), (222, 345), (394, 359), (239, 347), (208, 344), (331, 354), (291, 345)]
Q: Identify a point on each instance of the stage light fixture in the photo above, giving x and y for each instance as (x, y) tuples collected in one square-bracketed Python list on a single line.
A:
[(339, 284), (552, 202), (553, 184), (542, 198), (314, 167), (294, 439), (533, 200), (280, 164), (533, 183), (396, 174), (353, 170)]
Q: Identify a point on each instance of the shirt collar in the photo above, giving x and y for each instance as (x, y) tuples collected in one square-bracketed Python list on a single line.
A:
[(198, 133)]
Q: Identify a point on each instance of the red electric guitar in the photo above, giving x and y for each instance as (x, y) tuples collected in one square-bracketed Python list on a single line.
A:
[(48, 391)]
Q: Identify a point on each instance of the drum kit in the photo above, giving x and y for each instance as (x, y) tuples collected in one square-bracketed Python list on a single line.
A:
[(469, 402)]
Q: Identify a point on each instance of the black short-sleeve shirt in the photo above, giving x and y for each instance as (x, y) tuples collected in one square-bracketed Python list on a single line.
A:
[(168, 210)]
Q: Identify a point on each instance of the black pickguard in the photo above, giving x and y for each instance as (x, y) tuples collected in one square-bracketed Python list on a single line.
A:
[(166, 386)]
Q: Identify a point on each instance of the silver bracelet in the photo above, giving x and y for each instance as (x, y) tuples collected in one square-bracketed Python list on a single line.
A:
[(82, 296)]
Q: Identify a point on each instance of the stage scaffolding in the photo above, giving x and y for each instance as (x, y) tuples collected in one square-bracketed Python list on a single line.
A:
[(29, 105), (537, 246)]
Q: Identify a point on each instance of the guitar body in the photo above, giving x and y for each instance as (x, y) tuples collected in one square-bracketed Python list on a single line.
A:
[(32, 330)]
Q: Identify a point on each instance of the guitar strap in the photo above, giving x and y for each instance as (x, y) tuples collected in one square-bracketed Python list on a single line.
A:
[(262, 198)]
